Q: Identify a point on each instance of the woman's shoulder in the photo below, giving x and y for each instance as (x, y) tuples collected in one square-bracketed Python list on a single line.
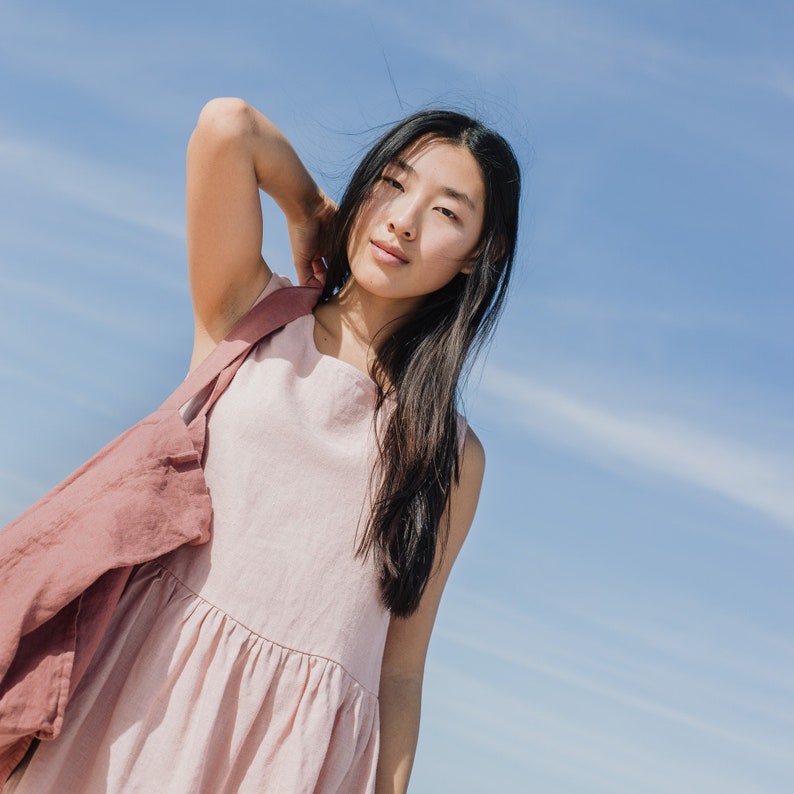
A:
[(468, 441), (472, 450)]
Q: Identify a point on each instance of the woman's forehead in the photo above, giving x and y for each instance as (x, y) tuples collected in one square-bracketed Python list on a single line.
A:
[(446, 161)]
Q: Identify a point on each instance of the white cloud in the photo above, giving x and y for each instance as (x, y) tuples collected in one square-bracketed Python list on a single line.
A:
[(675, 318), (118, 193), (575, 43), (46, 296), (555, 745), (777, 78), (17, 493), (668, 445), (578, 654), (16, 377), (549, 54), (665, 695), (139, 73)]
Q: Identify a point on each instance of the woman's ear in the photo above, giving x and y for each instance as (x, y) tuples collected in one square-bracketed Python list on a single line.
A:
[(471, 261), (498, 250)]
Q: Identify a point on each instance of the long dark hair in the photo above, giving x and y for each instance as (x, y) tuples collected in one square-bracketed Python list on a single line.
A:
[(419, 363)]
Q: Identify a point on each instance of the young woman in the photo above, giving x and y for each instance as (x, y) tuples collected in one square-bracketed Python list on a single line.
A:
[(287, 654)]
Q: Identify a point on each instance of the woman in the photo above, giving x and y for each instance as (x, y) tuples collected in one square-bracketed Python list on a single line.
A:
[(287, 654)]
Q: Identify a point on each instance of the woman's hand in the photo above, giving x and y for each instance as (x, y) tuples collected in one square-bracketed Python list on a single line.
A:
[(308, 237)]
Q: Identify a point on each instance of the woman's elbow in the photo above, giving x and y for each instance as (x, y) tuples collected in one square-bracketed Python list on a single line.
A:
[(224, 119)]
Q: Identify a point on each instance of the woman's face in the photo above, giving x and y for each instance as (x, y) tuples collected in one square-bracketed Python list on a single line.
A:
[(421, 224)]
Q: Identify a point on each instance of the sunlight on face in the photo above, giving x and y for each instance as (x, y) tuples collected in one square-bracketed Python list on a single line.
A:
[(421, 224)]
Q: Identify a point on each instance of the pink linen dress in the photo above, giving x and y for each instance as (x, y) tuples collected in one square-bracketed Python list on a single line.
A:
[(251, 663)]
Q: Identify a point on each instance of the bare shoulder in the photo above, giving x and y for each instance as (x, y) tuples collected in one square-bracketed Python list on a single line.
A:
[(466, 493), (473, 454)]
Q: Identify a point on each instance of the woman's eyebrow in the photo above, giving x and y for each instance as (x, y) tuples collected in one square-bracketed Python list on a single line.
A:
[(458, 196), (404, 166), (449, 191)]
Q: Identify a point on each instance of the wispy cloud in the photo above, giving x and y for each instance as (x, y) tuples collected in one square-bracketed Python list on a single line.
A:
[(560, 750), (586, 44), (674, 318), (778, 78), (116, 192), (17, 493), (560, 54), (664, 444), (15, 376), (579, 44), (602, 704), (624, 666), (45, 296), (137, 72)]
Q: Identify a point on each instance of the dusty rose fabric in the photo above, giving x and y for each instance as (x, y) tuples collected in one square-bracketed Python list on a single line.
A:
[(250, 663), (65, 562)]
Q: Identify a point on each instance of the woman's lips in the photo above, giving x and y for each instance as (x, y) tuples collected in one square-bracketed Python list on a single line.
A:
[(387, 254)]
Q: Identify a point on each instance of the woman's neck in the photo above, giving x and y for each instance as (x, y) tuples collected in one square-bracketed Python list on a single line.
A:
[(348, 324)]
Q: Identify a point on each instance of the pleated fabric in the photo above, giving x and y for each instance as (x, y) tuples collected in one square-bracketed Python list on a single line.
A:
[(251, 663)]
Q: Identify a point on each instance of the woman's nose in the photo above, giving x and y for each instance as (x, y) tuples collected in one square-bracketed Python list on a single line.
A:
[(402, 224)]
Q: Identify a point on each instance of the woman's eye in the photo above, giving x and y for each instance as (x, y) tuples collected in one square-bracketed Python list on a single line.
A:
[(447, 213), (392, 182)]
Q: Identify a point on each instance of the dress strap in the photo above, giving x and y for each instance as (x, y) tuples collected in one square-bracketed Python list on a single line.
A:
[(273, 312)]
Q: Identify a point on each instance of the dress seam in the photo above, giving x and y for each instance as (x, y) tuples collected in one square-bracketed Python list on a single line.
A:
[(262, 636)]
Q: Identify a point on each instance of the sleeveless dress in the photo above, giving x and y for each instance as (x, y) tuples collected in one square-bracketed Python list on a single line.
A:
[(252, 663)]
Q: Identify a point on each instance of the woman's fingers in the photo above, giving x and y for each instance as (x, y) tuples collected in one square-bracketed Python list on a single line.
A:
[(309, 241)]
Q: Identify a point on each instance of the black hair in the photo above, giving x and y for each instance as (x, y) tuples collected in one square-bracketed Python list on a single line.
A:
[(420, 362)]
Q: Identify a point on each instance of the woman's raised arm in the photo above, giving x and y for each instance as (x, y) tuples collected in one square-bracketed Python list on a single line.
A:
[(233, 152)]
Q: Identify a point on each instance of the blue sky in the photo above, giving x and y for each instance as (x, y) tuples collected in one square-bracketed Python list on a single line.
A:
[(621, 617)]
